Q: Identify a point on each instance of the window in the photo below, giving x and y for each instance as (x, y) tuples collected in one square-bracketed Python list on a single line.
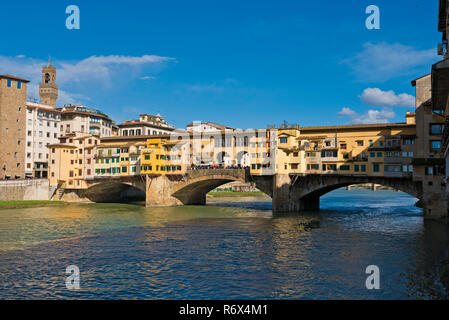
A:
[(8, 83), (376, 167), (356, 168), (363, 167), (294, 166), (372, 154), (343, 146), (371, 143), (283, 140), (345, 155), (436, 128), (435, 144), (124, 169), (379, 154), (360, 143), (345, 167), (327, 154)]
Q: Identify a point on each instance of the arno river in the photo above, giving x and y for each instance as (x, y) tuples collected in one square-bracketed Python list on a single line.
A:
[(230, 249)]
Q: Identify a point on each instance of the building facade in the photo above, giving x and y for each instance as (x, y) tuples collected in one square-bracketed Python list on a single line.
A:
[(42, 129), (85, 120), (13, 93), (146, 125), (71, 160)]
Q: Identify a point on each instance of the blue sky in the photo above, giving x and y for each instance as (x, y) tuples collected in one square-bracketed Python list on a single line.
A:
[(241, 63)]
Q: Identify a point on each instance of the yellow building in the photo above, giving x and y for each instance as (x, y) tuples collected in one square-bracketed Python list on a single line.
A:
[(163, 156)]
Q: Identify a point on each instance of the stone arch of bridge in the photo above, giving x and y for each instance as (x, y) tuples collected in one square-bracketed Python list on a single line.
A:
[(194, 191), (308, 190)]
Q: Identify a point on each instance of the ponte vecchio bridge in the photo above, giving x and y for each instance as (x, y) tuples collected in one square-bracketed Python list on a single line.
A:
[(289, 192), (294, 166)]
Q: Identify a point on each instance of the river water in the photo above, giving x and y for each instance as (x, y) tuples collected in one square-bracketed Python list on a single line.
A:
[(231, 249)]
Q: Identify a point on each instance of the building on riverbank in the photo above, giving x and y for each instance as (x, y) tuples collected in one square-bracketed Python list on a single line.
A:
[(42, 129), (79, 118), (440, 85), (146, 125), (13, 93), (71, 161)]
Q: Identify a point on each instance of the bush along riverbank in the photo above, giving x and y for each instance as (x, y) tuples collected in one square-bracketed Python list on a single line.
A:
[(236, 194), (29, 204)]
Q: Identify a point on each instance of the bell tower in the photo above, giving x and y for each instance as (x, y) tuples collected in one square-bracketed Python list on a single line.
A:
[(48, 89)]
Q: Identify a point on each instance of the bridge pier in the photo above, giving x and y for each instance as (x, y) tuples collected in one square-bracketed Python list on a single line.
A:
[(159, 190), (286, 198), (435, 206)]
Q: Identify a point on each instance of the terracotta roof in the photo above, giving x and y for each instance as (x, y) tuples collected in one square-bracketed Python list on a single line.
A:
[(84, 112), (8, 76), (163, 126), (62, 145), (43, 108), (414, 80)]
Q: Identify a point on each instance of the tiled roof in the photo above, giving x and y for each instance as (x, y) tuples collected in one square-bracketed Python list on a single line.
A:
[(8, 76)]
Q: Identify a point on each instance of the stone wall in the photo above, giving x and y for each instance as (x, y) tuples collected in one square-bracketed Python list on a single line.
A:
[(24, 190)]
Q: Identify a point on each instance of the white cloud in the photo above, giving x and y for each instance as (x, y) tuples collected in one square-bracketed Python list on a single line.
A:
[(383, 61), (147, 78), (379, 98), (83, 75), (372, 116), (102, 68)]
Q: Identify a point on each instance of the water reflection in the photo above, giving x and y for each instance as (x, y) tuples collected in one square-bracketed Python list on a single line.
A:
[(231, 249)]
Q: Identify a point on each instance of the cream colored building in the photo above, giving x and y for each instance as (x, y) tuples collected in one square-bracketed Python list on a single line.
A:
[(85, 120), (71, 161), (147, 124)]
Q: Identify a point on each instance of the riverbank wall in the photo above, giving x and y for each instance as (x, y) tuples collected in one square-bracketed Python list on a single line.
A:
[(35, 189)]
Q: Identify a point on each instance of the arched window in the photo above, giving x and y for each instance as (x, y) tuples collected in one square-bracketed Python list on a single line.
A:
[(47, 78)]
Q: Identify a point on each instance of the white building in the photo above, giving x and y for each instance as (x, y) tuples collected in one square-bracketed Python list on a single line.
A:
[(198, 126), (85, 120), (42, 129), (146, 125)]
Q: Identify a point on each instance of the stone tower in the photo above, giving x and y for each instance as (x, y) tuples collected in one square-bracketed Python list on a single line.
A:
[(48, 89)]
